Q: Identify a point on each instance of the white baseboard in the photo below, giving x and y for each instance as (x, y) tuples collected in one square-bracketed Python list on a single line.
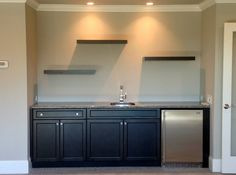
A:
[(215, 165), (14, 167)]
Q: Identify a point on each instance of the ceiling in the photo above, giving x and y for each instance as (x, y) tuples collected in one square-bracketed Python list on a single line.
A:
[(122, 2)]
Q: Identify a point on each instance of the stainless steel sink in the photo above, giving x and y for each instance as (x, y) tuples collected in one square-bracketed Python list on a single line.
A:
[(123, 104)]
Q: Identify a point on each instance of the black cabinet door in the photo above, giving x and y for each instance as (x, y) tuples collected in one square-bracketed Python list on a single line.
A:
[(72, 140), (142, 139), (46, 140), (105, 140)]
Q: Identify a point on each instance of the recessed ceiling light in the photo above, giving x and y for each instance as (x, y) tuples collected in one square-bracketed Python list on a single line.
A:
[(90, 3), (149, 3)]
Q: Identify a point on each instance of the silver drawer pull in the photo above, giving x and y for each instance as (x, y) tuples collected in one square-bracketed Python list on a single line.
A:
[(41, 114), (77, 114)]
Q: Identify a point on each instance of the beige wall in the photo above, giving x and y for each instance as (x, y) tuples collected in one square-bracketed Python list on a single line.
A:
[(13, 88), (31, 34), (148, 34), (208, 66), (224, 13), (214, 18)]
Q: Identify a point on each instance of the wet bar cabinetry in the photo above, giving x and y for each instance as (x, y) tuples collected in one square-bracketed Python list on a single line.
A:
[(69, 137), (58, 135), (87, 134), (128, 135)]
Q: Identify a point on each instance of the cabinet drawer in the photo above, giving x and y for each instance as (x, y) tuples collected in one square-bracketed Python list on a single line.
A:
[(123, 113), (57, 113)]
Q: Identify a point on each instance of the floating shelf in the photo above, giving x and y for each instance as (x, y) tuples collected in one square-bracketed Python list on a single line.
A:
[(102, 41), (170, 58), (69, 72)]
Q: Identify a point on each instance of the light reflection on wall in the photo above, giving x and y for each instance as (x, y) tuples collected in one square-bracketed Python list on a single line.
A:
[(91, 26)]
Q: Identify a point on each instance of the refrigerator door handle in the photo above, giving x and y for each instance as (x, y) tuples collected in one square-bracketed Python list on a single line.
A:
[(163, 141)]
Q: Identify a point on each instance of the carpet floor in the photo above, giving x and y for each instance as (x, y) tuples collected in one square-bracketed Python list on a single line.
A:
[(121, 171)]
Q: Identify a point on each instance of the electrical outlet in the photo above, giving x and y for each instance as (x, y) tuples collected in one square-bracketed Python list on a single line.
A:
[(209, 99), (201, 98)]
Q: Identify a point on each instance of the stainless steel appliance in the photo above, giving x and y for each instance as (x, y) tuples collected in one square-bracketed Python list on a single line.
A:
[(182, 136)]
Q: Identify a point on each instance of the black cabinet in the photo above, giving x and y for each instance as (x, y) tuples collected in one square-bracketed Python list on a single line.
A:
[(72, 140), (142, 139), (105, 140), (125, 135), (58, 140), (46, 140)]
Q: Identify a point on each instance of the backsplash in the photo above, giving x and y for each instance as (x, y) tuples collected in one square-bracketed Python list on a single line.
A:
[(143, 81)]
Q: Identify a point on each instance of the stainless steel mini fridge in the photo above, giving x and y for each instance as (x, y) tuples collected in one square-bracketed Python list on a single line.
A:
[(182, 136)]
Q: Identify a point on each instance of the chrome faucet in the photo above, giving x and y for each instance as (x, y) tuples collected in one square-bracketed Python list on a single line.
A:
[(123, 95)]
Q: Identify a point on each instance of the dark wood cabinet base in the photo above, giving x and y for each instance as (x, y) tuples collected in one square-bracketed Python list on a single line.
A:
[(94, 164)]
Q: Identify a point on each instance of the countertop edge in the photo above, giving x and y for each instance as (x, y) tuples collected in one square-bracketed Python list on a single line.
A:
[(104, 105)]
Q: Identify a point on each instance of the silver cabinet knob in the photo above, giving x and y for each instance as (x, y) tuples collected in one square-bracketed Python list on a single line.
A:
[(41, 114), (121, 123), (227, 106), (61, 124), (77, 114), (125, 123), (57, 124)]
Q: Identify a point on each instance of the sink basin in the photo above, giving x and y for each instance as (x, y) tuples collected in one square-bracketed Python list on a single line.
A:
[(122, 104)]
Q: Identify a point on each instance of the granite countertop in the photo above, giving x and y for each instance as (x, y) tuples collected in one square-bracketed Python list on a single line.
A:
[(67, 105)]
